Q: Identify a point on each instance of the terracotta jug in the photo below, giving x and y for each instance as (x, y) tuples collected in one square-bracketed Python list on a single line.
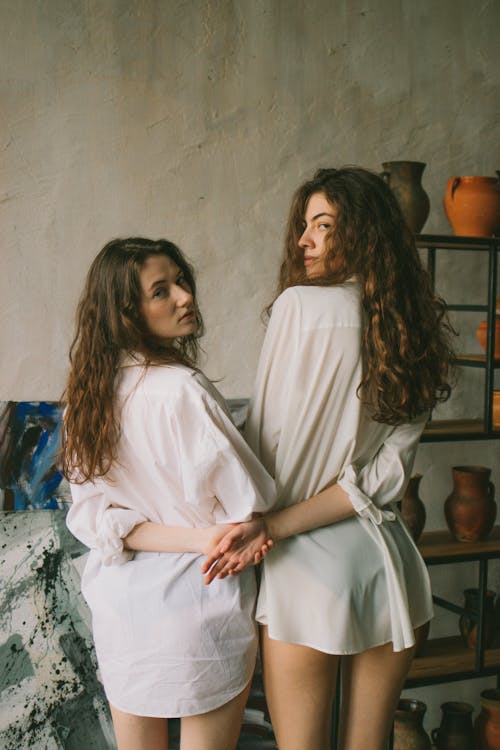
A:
[(468, 625), (412, 508), (472, 205), (455, 731), (482, 332), (487, 726), (404, 179), (471, 509), (409, 733)]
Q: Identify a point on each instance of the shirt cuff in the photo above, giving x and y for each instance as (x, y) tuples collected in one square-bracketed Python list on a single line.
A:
[(361, 503), (116, 524)]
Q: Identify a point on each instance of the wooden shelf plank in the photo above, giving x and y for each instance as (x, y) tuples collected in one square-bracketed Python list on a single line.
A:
[(452, 242), (458, 429), (448, 656), (436, 544)]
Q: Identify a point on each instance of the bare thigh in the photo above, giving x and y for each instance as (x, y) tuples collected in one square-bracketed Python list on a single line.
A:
[(216, 730), (299, 683), (371, 685), (139, 732)]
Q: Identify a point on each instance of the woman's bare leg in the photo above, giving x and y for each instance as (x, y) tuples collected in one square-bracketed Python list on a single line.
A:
[(215, 730), (371, 685), (299, 683), (139, 732)]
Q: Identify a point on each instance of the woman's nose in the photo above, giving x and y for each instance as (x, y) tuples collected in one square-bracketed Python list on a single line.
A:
[(183, 297), (305, 239)]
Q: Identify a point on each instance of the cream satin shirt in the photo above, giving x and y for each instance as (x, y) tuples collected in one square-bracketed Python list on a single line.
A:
[(361, 582)]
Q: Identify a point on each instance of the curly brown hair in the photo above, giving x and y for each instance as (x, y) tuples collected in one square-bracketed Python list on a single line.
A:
[(109, 324), (406, 344)]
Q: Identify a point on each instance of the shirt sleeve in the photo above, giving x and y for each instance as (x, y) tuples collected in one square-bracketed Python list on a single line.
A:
[(383, 480), (217, 465), (99, 525), (266, 409)]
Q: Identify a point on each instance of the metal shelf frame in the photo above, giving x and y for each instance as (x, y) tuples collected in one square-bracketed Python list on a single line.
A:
[(491, 245)]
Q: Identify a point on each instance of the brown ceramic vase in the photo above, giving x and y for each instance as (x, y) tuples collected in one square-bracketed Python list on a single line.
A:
[(470, 510), (472, 205), (455, 731), (404, 179), (409, 733), (412, 508), (468, 625), (487, 725)]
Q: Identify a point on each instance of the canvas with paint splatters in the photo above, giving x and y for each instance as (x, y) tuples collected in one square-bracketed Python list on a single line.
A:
[(30, 474), (50, 694)]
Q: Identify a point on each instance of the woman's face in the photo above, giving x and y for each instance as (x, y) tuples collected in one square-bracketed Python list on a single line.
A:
[(167, 304), (319, 220)]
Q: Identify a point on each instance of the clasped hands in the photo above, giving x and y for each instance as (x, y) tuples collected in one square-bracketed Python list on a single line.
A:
[(244, 544)]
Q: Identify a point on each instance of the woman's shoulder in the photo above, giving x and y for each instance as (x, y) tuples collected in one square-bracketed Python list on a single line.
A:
[(322, 305), (161, 381)]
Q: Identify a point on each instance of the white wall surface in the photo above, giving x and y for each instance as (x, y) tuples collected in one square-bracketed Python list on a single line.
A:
[(195, 120)]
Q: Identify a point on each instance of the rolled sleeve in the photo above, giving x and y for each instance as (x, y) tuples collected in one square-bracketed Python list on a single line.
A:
[(100, 526), (373, 486)]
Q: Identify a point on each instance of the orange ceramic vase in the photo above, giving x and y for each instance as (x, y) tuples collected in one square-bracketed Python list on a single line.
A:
[(482, 332), (487, 726), (470, 510), (472, 205)]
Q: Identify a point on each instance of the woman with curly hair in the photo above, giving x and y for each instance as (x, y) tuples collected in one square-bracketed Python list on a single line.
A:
[(158, 472), (356, 355)]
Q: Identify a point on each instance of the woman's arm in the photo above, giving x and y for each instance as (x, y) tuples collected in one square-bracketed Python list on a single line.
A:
[(154, 537), (240, 545)]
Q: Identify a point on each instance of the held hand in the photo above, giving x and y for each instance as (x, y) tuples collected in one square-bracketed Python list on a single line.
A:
[(245, 544), (213, 535)]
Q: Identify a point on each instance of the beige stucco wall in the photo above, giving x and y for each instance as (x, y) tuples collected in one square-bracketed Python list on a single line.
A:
[(195, 120)]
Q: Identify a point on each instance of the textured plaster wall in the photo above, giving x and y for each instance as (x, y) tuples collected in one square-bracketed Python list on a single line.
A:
[(195, 121)]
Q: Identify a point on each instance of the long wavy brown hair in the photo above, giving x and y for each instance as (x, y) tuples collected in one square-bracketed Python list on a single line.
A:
[(109, 324), (406, 345)]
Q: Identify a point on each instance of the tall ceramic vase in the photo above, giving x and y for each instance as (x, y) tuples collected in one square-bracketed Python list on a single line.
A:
[(412, 508), (455, 731), (472, 205), (404, 179), (487, 725), (470, 509), (409, 733)]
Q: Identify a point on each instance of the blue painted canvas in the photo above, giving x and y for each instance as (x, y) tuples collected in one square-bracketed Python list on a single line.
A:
[(30, 475)]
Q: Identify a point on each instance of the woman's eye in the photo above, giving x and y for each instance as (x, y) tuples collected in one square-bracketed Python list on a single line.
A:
[(160, 293), (325, 225)]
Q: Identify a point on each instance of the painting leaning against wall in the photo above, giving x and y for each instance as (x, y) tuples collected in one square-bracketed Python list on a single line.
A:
[(30, 477), (50, 694)]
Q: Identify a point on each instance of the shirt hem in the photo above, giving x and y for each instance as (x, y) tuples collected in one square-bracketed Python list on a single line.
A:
[(336, 650), (205, 707)]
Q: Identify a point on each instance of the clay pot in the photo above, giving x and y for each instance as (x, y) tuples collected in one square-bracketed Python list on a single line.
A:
[(409, 733), (412, 508), (468, 626), (487, 725), (404, 179), (482, 332), (455, 731), (470, 510), (496, 409), (472, 205)]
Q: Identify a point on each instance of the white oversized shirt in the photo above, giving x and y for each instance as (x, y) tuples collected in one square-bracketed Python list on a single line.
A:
[(167, 644), (359, 583)]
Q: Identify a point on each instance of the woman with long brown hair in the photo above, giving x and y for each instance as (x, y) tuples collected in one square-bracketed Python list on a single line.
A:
[(356, 355), (158, 472)]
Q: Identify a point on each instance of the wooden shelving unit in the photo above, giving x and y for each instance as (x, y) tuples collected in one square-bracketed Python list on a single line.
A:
[(448, 659)]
